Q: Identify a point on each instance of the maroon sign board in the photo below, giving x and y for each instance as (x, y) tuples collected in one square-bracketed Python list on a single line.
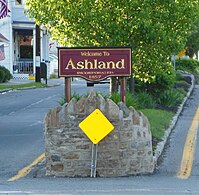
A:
[(94, 64)]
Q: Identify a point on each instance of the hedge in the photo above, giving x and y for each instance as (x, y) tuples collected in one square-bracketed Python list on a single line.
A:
[(4, 74)]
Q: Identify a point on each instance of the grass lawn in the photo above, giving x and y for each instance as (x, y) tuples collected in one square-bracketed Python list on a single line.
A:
[(34, 84), (159, 121)]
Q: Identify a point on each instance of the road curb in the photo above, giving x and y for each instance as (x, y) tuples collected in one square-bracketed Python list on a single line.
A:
[(26, 88), (160, 146), (6, 90), (11, 89)]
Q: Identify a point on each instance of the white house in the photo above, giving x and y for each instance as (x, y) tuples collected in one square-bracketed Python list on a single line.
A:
[(18, 40)]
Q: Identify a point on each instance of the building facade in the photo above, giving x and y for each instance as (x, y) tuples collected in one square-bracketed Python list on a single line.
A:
[(18, 42)]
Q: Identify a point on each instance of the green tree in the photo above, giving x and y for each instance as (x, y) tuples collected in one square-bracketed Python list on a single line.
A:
[(192, 44), (155, 29)]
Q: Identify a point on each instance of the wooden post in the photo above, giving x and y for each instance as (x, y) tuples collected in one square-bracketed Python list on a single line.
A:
[(67, 88), (123, 89)]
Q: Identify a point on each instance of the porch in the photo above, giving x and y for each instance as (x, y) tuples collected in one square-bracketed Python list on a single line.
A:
[(23, 66), (23, 69), (23, 53)]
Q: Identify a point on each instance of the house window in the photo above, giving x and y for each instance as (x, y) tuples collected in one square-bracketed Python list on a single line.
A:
[(18, 2)]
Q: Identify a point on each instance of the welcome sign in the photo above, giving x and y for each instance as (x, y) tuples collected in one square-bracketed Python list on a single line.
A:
[(94, 64)]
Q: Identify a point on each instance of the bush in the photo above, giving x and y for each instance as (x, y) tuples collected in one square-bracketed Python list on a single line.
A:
[(7, 74), (189, 65), (182, 84), (182, 91), (179, 77), (115, 97), (62, 99), (138, 101), (171, 98), (53, 76), (2, 76), (145, 100), (131, 100), (162, 82)]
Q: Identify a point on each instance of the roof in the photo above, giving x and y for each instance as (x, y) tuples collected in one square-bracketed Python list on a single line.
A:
[(3, 39)]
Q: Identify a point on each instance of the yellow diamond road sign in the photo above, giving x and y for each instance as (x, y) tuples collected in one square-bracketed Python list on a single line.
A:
[(96, 126), (182, 53)]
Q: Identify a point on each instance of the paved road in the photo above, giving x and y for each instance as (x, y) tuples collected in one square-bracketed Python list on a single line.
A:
[(21, 131), (21, 127), (174, 150), (21, 123)]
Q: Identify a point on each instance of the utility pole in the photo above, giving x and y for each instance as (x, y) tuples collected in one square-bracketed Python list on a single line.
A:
[(38, 55)]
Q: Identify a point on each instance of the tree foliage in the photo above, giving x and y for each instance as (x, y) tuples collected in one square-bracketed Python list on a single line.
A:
[(192, 44), (155, 29)]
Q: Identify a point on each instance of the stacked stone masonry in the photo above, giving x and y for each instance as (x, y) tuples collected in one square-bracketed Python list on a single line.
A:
[(127, 150)]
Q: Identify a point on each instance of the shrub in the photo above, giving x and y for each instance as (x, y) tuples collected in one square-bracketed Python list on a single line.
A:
[(162, 82), (7, 76), (179, 77), (170, 98), (53, 76), (138, 101), (76, 96), (2, 75), (131, 100), (115, 97), (62, 99), (189, 65), (182, 91), (145, 100), (182, 84)]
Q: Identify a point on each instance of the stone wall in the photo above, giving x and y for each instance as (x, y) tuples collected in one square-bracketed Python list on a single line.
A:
[(127, 150)]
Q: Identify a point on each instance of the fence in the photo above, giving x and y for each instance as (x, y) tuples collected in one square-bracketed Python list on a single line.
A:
[(23, 67)]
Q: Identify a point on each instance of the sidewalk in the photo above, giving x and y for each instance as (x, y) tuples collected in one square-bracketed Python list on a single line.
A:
[(54, 82), (50, 82)]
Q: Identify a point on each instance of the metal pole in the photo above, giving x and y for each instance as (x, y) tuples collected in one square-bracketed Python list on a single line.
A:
[(174, 64), (94, 160)]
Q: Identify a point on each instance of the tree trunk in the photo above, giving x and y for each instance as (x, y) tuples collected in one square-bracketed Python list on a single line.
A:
[(132, 85)]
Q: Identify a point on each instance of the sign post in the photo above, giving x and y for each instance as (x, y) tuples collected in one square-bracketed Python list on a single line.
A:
[(94, 160), (95, 64), (174, 57), (123, 89), (67, 88), (96, 131)]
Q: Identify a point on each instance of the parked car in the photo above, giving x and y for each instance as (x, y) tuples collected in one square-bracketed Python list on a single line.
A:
[(92, 83)]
